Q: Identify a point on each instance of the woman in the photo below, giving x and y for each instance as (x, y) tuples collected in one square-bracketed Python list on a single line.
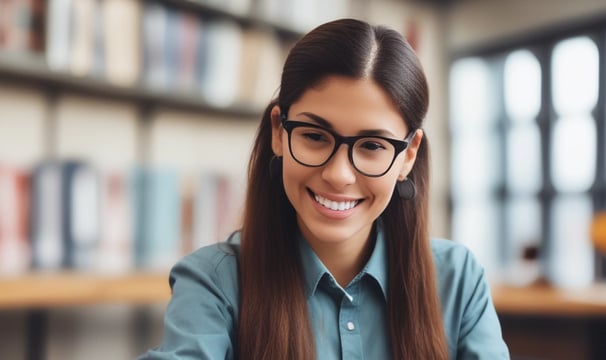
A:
[(334, 260)]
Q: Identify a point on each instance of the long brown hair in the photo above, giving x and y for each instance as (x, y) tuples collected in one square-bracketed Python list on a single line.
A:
[(273, 317)]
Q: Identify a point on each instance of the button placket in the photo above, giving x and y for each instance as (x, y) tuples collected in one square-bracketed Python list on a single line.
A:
[(351, 341)]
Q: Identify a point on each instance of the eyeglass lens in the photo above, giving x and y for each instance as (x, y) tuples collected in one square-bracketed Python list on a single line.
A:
[(313, 147)]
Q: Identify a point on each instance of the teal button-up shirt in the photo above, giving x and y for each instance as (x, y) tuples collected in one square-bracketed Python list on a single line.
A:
[(350, 323)]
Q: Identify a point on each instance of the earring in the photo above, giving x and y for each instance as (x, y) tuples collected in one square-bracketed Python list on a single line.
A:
[(275, 167), (406, 189)]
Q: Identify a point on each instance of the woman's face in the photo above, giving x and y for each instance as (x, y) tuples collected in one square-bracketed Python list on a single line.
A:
[(348, 107)]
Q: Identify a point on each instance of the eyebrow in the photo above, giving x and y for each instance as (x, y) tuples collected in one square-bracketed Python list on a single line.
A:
[(324, 123)]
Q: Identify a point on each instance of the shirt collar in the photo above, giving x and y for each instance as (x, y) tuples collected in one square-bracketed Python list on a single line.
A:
[(314, 270)]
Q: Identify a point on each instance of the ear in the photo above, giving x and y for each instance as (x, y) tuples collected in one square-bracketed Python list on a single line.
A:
[(276, 131), (410, 154)]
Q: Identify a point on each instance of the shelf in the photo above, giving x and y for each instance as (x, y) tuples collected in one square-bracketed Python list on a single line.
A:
[(549, 301), (210, 10), (31, 68), (47, 290)]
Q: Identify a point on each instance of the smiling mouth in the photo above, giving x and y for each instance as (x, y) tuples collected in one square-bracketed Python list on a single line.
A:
[(334, 205)]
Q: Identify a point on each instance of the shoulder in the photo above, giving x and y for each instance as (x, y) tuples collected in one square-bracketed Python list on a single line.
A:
[(457, 270), (448, 254), (218, 258), (213, 257), (214, 265), (471, 324), (201, 317)]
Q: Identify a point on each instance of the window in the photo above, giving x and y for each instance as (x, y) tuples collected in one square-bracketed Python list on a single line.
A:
[(528, 124)]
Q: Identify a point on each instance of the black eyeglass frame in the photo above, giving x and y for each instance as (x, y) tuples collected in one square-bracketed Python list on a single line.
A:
[(399, 145)]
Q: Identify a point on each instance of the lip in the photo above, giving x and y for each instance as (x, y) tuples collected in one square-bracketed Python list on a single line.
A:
[(333, 214)]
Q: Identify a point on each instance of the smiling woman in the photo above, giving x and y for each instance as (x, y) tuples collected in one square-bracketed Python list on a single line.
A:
[(323, 190), (334, 260)]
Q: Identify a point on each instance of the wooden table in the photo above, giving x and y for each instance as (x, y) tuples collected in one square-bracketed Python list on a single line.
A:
[(542, 322), (39, 292), (52, 290), (547, 300)]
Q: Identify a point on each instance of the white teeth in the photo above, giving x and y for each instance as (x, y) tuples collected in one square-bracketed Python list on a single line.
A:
[(334, 205)]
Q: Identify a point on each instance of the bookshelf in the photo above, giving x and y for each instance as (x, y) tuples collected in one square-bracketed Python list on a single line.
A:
[(150, 106), (249, 20), (82, 111), (33, 69)]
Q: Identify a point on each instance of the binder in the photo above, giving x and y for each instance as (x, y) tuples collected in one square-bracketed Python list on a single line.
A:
[(81, 220), (15, 252), (46, 217)]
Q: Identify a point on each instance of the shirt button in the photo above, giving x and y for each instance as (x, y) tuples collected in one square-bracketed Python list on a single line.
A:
[(351, 326)]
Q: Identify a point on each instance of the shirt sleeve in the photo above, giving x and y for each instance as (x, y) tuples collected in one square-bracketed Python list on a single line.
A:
[(480, 335), (200, 317)]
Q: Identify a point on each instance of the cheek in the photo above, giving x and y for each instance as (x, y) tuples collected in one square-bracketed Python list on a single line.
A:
[(384, 187), (293, 174)]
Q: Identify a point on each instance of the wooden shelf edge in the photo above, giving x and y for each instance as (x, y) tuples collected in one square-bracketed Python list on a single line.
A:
[(32, 68), (544, 300), (47, 290)]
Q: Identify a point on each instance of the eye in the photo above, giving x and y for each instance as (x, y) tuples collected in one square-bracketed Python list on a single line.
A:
[(313, 136), (372, 145)]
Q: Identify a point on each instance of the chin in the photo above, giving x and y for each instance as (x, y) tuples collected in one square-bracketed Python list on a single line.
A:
[(331, 233)]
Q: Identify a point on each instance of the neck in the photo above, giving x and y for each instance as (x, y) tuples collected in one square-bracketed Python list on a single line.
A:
[(345, 259)]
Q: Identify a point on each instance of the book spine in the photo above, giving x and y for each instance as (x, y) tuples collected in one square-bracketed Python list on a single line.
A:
[(15, 252), (47, 217)]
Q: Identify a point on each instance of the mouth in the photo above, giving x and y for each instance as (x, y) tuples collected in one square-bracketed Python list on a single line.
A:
[(334, 205)]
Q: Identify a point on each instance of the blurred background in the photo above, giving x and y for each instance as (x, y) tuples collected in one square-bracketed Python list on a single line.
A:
[(125, 129)]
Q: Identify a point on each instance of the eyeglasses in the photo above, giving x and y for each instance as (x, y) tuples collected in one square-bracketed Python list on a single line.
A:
[(313, 145)]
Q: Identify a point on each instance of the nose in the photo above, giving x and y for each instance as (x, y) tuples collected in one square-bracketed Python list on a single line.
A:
[(339, 172)]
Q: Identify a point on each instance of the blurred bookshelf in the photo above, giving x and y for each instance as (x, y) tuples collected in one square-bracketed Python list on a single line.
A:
[(161, 65), (33, 69), (125, 128)]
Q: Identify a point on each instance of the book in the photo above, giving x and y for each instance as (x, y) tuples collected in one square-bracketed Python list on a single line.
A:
[(220, 76), (81, 52), (122, 47), (98, 49), (188, 196), (172, 48), (206, 217), (154, 39), (216, 208), (81, 219), (187, 39), (46, 217), (58, 34), (226, 206), (158, 227), (21, 25), (15, 251), (260, 71), (115, 251)]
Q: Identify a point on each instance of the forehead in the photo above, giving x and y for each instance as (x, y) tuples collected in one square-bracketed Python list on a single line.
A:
[(351, 105)]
